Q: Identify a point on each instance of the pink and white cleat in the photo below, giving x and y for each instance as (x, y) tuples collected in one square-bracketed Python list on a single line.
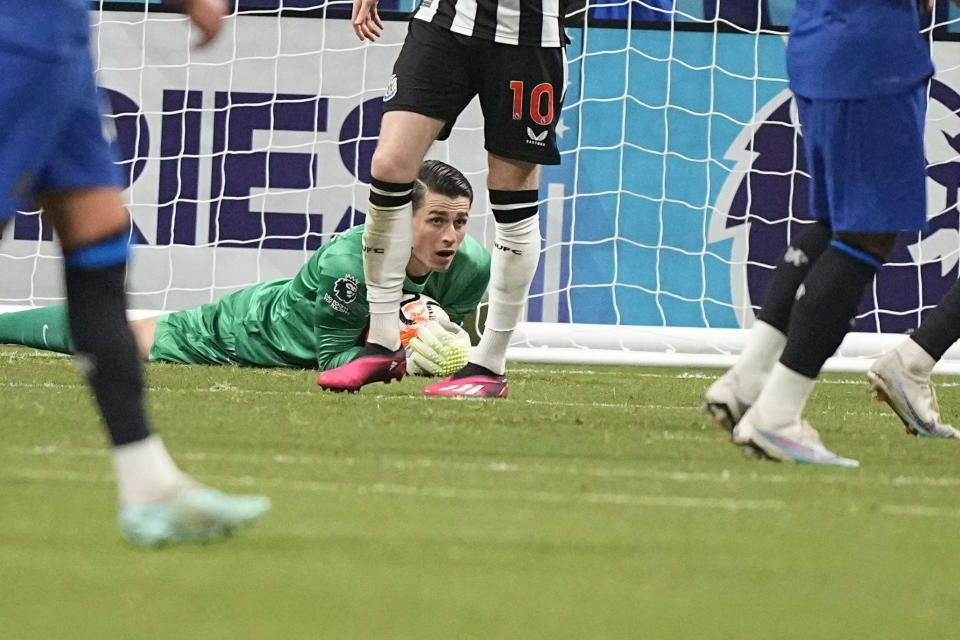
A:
[(364, 370), (469, 387)]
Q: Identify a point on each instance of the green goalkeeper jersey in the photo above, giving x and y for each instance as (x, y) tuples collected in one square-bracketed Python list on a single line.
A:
[(317, 319)]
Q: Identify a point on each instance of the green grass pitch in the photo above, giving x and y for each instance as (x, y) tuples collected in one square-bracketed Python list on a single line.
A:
[(595, 502)]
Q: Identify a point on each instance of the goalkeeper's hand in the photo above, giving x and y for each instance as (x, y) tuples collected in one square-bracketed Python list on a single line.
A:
[(439, 348)]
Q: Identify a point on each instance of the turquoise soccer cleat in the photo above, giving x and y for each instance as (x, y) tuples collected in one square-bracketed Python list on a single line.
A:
[(196, 514)]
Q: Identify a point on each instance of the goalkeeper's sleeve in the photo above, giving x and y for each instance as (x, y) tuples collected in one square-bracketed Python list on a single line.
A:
[(439, 348)]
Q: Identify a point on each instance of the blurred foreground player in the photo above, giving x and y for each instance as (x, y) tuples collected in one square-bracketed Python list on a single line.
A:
[(859, 70), (53, 154)]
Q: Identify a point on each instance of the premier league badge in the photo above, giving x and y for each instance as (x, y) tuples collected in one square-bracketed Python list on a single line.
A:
[(764, 203)]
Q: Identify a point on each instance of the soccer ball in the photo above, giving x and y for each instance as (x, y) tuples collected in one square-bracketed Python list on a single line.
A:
[(416, 310)]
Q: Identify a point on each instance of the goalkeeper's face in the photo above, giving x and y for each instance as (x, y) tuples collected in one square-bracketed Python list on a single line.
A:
[(439, 225)]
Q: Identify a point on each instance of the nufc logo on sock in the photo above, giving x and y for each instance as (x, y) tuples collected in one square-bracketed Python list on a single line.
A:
[(500, 247)]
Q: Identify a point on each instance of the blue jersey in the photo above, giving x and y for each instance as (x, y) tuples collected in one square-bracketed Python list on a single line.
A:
[(849, 49), (48, 29), (52, 137)]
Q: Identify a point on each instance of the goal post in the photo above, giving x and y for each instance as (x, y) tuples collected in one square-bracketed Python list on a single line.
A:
[(680, 179)]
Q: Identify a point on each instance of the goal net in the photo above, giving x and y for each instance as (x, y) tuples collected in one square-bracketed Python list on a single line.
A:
[(682, 176)]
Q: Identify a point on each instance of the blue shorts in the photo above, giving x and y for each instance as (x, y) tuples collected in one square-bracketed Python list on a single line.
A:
[(866, 161), (53, 132)]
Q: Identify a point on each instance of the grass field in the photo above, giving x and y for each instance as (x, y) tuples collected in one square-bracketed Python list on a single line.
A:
[(595, 502)]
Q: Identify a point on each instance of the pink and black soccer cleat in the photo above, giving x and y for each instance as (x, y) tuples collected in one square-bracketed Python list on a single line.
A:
[(470, 387), (364, 370)]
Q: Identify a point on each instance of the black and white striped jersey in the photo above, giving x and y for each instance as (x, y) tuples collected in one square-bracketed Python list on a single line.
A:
[(536, 23)]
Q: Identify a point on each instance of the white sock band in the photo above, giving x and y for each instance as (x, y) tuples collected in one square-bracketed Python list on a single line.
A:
[(492, 350), (916, 358), (761, 351), (146, 474), (783, 397)]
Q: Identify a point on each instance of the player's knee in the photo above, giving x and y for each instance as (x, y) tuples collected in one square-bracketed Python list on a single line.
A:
[(878, 245), (393, 165), (511, 175), (86, 217)]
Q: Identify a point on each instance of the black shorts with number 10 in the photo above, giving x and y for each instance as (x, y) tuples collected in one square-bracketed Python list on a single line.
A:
[(438, 73)]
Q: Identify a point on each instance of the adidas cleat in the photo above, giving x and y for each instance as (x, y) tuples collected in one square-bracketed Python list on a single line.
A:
[(195, 514), (469, 387), (796, 442), (911, 396), (365, 370)]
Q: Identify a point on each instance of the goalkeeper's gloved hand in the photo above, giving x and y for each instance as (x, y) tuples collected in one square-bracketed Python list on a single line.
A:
[(439, 348)]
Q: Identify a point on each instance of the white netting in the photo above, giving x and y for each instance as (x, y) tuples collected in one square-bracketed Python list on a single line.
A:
[(680, 181), (689, 179)]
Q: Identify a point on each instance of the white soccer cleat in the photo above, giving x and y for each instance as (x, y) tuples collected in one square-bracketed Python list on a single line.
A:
[(793, 442), (911, 396), (722, 403)]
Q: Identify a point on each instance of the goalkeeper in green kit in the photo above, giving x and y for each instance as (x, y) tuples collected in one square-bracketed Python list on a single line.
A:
[(318, 319)]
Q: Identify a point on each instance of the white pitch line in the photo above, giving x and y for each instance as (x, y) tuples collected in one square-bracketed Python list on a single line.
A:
[(442, 493), (292, 373), (225, 388), (919, 511), (501, 467), (486, 495), (619, 372)]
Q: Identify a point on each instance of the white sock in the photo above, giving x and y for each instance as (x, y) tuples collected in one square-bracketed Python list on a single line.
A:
[(383, 326), (762, 350), (146, 474), (492, 350), (387, 242), (917, 360), (783, 397), (516, 254)]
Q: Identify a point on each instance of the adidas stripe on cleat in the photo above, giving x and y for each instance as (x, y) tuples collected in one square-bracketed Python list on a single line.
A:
[(469, 387)]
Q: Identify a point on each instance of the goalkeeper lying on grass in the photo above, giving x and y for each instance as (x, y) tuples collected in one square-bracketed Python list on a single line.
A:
[(317, 319)]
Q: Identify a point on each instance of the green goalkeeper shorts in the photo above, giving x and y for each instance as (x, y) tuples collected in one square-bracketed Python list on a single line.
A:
[(185, 337)]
